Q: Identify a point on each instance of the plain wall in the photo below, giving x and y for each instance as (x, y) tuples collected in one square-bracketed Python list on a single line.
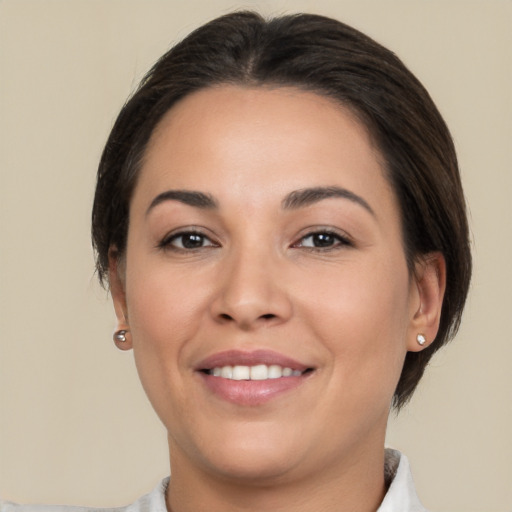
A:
[(75, 426)]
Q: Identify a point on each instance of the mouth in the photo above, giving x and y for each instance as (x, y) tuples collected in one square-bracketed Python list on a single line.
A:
[(256, 372), (252, 378)]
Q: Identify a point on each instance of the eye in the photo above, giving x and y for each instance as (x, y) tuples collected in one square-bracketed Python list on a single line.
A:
[(323, 240), (186, 241)]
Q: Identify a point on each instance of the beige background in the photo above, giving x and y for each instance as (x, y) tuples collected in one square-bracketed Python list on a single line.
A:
[(75, 426)]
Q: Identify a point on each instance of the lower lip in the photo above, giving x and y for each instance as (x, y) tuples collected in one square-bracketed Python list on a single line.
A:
[(251, 392)]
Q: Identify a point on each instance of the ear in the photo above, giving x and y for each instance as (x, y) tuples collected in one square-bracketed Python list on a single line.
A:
[(429, 286), (116, 277)]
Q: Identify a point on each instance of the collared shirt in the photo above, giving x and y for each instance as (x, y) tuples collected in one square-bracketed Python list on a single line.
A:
[(401, 495)]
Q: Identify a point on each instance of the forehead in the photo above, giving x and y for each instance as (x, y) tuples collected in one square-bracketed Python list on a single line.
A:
[(266, 140), (217, 111)]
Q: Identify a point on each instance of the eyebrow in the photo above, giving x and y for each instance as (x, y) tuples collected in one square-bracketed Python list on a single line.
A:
[(293, 201), (308, 196), (189, 197)]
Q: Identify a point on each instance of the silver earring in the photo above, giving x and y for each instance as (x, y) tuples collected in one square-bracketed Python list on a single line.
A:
[(120, 336), (421, 339)]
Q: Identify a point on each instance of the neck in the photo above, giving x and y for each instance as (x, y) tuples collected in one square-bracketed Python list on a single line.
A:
[(356, 485)]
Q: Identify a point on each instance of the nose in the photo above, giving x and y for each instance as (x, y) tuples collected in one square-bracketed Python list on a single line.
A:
[(252, 292)]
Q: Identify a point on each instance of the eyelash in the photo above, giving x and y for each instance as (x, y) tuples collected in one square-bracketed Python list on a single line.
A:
[(167, 242), (339, 241)]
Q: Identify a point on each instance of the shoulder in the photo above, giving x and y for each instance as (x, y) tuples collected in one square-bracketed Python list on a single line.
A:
[(154, 502), (401, 495)]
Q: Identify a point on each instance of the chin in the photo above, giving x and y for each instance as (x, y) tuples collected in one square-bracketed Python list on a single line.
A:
[(253, 468), (248, 453)]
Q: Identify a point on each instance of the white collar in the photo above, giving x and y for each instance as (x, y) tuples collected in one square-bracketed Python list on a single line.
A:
[(401, 495)]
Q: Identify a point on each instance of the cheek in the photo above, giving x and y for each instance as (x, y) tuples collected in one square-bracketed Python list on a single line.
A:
[(163, 305), (361, 316), (164, 314)]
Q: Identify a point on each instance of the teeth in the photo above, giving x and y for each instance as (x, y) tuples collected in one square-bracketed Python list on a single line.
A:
[(287, 372), (226, 372), (258, 372), (241, 373), (275, 371)]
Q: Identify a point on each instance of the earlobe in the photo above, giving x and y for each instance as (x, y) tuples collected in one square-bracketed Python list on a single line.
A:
[(430, 282), (122, 336)]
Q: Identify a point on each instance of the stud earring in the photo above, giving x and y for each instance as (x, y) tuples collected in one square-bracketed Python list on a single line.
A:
[(421, 339), (120, 336)]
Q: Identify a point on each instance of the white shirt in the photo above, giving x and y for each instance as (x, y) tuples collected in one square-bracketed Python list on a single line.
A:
[(401, 495)]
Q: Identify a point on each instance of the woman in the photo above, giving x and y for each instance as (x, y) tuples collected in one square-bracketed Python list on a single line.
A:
[(280, 220)]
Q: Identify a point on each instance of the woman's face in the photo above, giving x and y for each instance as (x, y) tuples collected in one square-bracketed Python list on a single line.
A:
[(264, 240)]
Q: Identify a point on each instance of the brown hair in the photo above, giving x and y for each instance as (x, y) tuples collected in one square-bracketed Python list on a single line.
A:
[(323, 55)]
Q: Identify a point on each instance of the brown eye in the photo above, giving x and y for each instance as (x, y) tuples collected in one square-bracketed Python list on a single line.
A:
[(187, 241), (323, 240)]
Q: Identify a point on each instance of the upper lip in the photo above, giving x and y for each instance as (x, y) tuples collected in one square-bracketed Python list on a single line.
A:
[(252, 358)]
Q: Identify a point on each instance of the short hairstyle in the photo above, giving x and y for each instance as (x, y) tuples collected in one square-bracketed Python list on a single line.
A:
[(325, 56)]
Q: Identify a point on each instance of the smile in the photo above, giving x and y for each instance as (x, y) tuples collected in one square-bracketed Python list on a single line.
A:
[(252, 378), (258, 372)]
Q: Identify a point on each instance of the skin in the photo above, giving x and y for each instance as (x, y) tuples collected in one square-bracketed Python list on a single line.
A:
[(350, 309)]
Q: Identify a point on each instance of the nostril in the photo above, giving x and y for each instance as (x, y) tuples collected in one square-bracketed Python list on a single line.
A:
[(243, 321)]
